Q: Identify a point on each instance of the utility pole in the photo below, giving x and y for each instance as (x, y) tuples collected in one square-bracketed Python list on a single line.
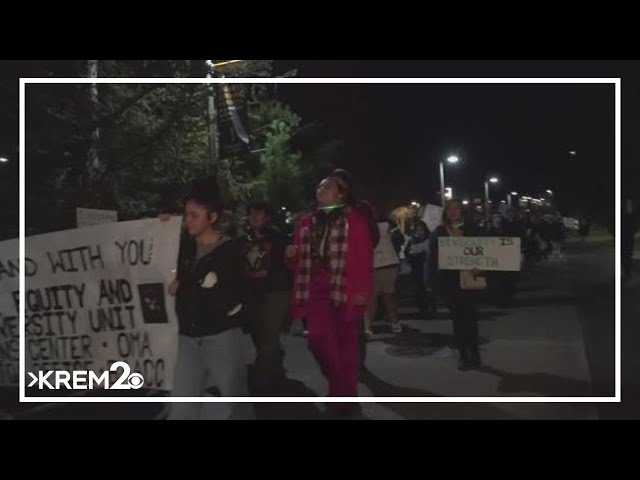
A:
[(213, 124)]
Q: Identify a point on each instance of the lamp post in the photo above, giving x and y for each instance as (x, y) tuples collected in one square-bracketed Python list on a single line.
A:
[(450, 159), (486, 194)]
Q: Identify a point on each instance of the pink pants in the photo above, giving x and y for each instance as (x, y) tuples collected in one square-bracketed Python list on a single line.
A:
[(333, 341)]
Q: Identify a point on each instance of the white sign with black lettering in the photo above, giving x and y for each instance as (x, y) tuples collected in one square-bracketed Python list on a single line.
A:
[(98, 295), (9, 326), (483, 253)]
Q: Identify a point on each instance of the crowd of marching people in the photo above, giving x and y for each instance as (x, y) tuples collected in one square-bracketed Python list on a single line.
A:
[(238, 295)]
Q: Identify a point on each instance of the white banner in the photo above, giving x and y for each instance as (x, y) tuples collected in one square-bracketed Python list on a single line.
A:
[(384, 255), (98, 295), (432, 216), (86, 217), (9, 326), (483, 253)]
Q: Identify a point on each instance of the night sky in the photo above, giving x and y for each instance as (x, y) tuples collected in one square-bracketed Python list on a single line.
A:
[(395, 135)]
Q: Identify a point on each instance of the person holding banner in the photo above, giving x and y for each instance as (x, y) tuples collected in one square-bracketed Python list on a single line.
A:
[(210, 294), (460, 302), (332, 261)]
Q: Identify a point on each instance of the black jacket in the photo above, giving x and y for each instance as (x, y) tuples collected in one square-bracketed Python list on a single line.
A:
[(418, 232), (397, 239), (366, 210), (447, 282), (205, 311), (264, 262)]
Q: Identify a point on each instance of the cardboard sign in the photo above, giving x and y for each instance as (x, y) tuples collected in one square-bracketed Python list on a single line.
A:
[(94, 296), (483, 253)]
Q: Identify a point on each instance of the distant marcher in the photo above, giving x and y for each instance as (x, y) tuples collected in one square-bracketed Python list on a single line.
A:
[(629, 227)]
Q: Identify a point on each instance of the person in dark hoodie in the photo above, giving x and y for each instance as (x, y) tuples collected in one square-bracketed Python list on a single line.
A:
[(508, 281), (269, 291), (416, 254), (210, 295), (362, 206)]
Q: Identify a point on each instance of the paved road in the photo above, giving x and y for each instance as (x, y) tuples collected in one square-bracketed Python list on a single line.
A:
[(557, 339)]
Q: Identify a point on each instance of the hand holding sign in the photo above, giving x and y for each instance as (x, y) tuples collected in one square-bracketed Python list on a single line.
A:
[(173, 288)]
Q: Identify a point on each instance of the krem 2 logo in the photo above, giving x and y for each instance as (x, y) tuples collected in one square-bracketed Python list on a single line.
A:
[(85, 380)]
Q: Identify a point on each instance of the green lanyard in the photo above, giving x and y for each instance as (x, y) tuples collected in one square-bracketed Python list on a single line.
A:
[(331, 208)]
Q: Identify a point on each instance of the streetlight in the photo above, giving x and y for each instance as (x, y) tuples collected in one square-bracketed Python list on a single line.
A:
[(450, 159), (448, 193), (486, 194), (465, 202), (4, 160), (512, 194)]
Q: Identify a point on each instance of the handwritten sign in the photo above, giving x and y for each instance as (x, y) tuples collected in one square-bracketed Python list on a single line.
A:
[(483, 253), (9, 326), (94, 296)]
